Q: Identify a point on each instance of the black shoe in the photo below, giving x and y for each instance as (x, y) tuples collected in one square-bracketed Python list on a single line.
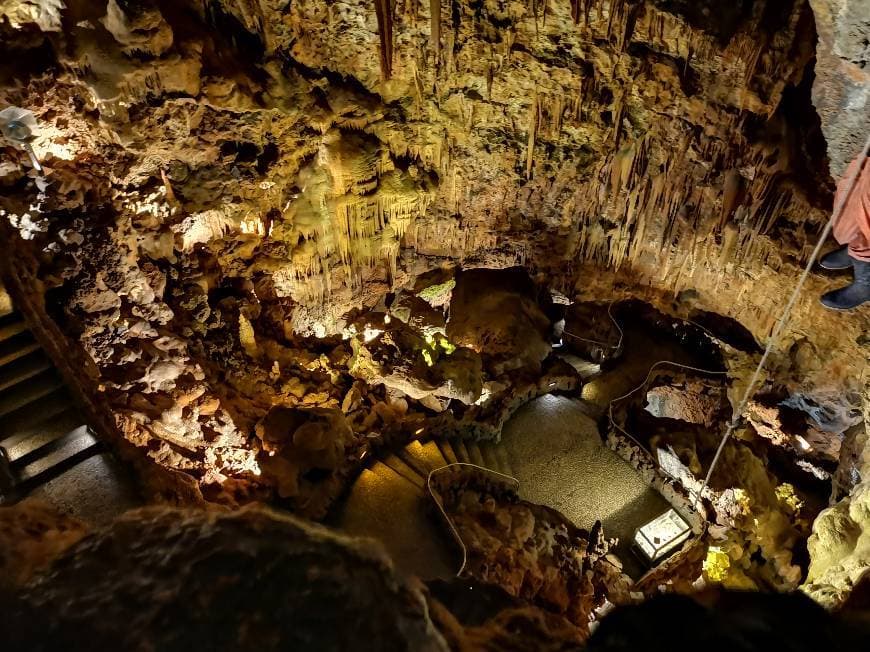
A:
[(837, 259), (853, 295)]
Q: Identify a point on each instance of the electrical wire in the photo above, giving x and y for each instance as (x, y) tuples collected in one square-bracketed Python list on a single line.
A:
[(679, 365), (615, 347)]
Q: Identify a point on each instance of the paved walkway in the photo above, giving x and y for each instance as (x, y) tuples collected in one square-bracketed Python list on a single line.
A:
[(553, 448)]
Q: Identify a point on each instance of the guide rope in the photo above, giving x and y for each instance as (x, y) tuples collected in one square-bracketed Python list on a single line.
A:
[(784, 319)]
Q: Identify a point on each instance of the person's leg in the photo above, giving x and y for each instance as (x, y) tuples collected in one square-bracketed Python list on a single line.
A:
[(837, 259), (853, 229), (859, 245), (846, 230)]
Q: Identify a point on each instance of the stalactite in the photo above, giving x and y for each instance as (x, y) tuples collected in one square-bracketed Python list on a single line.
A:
[(631, 17), (576, 10), (435, 14), (731, 191), (619, 106), (534, 119), (778, 208), (384, 12), (535, 15)]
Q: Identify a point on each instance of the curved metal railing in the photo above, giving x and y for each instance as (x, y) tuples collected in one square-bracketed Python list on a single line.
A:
[(615, 347), (450, 524)]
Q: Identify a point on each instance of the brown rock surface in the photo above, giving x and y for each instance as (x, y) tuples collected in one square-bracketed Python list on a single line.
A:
[(841, 92), (32, 534), (496, 312), (531, 552), (175, 580)]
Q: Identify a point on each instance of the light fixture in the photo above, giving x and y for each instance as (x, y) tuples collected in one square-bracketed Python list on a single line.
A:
[(661, 536), (804, 444), (19, 127)]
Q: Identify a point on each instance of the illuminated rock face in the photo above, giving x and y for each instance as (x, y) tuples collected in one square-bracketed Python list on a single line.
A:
[(231, 185), (840, 92)]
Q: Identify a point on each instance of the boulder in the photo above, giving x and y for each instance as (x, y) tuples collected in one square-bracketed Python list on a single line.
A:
[(497, 313), (296, 441), (254, 579)]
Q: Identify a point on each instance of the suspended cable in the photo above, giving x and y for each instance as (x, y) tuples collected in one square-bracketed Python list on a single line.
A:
[(784, 318)]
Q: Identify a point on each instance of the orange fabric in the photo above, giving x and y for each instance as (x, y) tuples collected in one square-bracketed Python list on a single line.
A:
[(853, 228)]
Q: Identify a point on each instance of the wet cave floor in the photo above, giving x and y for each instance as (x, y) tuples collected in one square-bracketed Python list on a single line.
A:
[(552, 445)]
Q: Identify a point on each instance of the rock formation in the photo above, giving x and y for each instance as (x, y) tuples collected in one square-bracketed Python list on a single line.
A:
[(529, 551), (264, 237), (840, 89), (222, 581)]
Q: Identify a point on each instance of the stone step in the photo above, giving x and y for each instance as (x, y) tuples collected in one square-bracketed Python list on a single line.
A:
[(52, 428), (474, 455), (423, 458), (501, 459), (9, 315), (23, 395), (16, 347), (22, 369), (447, 452), (395, 463), (460, 450), (490, 461), (96, 490), (10, 326), (26, 421), (387, 474), (383, 505), (56, 457)]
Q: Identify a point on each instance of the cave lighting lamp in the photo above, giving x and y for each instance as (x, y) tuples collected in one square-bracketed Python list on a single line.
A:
[(661, 536), (19, 127)]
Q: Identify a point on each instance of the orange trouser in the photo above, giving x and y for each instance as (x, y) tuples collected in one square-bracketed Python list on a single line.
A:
[(853, 228)]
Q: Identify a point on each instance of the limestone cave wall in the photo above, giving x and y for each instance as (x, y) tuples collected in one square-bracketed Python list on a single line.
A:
[(229, 185)]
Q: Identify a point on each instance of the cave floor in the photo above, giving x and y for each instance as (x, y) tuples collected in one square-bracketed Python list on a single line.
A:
[(555, 451), (96, 490)]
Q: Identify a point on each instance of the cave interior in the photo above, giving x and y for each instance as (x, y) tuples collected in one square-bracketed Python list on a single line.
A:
[(430, 326)]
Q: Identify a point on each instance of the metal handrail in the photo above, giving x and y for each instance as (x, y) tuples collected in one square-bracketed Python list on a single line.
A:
[(646, 380), (604, 344), (450, 524)]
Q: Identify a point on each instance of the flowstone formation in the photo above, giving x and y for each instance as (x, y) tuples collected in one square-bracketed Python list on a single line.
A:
[(256, 241)]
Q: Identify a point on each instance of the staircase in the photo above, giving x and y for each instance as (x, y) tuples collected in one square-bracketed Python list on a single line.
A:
[(390, 502), (551, 445), (42, 433), (46, 450)]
